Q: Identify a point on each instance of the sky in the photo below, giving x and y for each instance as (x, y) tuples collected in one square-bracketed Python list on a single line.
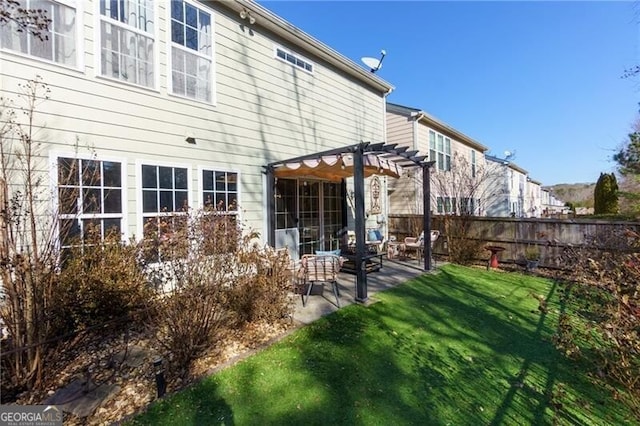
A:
[(542, 79)]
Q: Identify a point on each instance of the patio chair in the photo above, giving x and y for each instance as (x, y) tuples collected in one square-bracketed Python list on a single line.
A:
[(434, 237), (413, 244), (321, 269), (417, 244)]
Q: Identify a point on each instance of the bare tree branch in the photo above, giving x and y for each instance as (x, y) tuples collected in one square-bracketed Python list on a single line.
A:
[(32, 21)]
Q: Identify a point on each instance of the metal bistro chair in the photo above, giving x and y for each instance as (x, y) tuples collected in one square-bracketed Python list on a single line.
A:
[(321, 269)]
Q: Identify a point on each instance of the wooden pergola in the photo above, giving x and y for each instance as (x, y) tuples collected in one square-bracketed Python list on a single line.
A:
[(399, 156)]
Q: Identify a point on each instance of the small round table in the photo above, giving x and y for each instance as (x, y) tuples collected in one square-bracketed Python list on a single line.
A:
[(493, 260)]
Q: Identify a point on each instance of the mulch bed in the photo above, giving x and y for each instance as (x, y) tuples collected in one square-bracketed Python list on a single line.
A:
[(101, 358)]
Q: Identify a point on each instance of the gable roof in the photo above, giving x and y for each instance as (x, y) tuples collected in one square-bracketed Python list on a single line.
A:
[(435, 123), (508, 163), (307, 44)]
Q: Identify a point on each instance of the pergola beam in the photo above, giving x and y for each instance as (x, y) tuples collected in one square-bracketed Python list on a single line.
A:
[(400, 155)]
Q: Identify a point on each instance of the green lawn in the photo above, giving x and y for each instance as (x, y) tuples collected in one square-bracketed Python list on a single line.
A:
[(462, 347)]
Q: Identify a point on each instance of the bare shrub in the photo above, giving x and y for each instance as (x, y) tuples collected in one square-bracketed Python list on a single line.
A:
[(605, 295), (262, 291), (27, 240), (100, 281), (184, 257), (463, 248)]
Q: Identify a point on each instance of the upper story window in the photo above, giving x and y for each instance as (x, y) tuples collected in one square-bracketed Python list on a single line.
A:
[(473, 163), (191, 51), (127, 41), (440, 150), (56, 44), (294, 59)]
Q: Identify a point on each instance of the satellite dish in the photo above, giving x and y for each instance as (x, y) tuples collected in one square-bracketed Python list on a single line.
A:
[(372, 63), (507, 153)]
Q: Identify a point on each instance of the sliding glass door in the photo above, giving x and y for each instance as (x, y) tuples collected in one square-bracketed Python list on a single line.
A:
[(308, 215)]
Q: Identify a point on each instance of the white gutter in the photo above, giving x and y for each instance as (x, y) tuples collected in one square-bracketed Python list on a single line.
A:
[(272, 22)]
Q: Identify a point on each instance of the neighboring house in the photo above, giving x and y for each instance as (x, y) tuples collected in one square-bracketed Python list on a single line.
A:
[(552, 206), (510, 192), (533, 198), (183, 103), (416, 129)]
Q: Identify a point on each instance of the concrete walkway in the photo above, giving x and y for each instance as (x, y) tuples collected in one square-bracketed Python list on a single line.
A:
[(393, 273)]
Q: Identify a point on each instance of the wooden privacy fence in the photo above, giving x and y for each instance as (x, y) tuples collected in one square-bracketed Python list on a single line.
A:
[(550, 236)]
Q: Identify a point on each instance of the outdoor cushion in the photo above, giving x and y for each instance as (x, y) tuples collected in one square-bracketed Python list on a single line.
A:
[(328, 252)]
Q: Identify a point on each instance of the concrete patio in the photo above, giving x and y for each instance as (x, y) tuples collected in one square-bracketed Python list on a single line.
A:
[(393, 273)]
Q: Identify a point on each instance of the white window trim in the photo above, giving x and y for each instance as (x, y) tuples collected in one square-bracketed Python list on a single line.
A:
[(97, 48), (201, 168), (53, 178), (297, 55), (149, 162), (169, 55), (443, 152), (79, 8)]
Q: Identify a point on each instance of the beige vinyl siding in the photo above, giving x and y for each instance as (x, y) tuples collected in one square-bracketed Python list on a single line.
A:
[(422, 143), (399, 129), (264, 110), (402, 197)]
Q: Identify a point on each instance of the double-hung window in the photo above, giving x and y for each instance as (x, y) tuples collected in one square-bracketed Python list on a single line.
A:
[(165, 194), (473, 163), (191, 51), (440, 150), (446, 205), (90, 194), (220, 202), (127, 41), (432, 146), (220, 191), (165, 201), (56, 43)]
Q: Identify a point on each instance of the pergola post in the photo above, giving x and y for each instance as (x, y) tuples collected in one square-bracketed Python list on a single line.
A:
[(426, 205), (358, 188), (271, 207)]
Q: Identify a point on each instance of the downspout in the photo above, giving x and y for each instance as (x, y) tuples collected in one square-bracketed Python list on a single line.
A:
[(385, 212), (417, 116), (271, 207)]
